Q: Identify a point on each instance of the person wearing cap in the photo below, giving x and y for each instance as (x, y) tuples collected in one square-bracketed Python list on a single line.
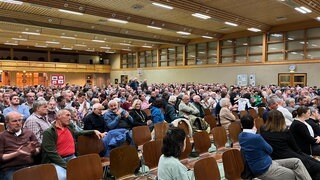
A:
[(94, 120)]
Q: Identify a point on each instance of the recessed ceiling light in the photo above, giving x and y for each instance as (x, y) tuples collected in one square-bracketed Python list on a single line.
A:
[(40, 46), (117, 21), (52, 42), (19, 39), (207, 37), (66, 48), (231, 24), (162, 5), (125, 44), (80, 45), (105, 47), (183, 33), (97, 40), (70, 12), (30, 33), (145, 46), (305, 9), (318, 18), (201, 16), (154, 27), (67, 37), (126, 49), (12, 2), (12, 44), (254, 29)]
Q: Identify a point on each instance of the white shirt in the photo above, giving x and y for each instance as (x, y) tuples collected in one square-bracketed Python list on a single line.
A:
[(287, 115)]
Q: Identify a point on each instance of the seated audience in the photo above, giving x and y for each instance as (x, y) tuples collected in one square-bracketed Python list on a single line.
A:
[(313, 121), (140, 118), (257, 154), (157, 115), (17, 148), (186, 108), (58, 145), (170, 113), (117, 117), (38, 121), (304, 134), (197, 103), (226, 116), (15, 106), (170, 167), (276, 133), (94, 120)]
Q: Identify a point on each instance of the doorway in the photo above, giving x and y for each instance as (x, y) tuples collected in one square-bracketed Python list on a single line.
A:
[(292, 79)]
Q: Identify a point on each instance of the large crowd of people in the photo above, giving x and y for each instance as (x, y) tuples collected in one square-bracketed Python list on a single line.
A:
[(47, 119)]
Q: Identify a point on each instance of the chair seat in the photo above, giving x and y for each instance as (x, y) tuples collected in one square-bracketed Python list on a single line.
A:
[(105, 161)]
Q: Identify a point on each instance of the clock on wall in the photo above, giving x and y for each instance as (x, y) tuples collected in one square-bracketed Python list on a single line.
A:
[(292, 68)]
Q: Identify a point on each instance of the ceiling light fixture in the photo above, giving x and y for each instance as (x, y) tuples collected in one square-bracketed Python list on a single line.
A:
[(201, 16), (52, 42), (318, 18), (154, 27), (80, 45), (231, 24), (66, 48), (105, 47), (183, 33), (145, 46), (300, 10), (40, 46), (126, 49), (254, 29), (67, 37), (117, 21), (12, 44), (31, 33), (207, 37), (19, 39), (162, 5), (70, 12), (90, 50), (97, 40), (12, 2), (125, 44), (305, 9)]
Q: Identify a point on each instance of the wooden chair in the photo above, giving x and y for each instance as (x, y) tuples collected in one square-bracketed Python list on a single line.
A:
[(258, 122), (152, 153), (124, 161), (260, 111), (141, 135), (235, 114), (211, 120), (232, 164), (201, 142), (234, 131), (253, 113), (2, 127), (160, 130), (148, 112), (206, 168), (89, 145), (220, 137), (185, 154), (243, 113), (86, 167), (39, 172), (207, 112), (183, 125)]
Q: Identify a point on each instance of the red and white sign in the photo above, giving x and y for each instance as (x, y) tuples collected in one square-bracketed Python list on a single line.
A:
[(57, 79)]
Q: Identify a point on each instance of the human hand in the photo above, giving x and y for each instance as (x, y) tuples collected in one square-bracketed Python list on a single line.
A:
[(22, 151), (98, 134), (149, 122)]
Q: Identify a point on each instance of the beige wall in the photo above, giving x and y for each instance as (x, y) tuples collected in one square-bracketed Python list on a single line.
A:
[(265, 74)]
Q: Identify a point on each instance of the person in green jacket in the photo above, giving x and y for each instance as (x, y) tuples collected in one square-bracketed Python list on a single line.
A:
[(58, 144)]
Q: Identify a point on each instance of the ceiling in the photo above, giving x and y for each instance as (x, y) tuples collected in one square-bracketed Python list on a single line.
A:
[(91, 29)]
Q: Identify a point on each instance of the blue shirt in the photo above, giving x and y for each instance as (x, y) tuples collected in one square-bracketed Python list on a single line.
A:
[(156, 115), (256, 151), (22, 109), (113, 120)]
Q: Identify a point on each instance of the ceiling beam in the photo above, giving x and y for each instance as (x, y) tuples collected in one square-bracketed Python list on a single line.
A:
[(108, 13)]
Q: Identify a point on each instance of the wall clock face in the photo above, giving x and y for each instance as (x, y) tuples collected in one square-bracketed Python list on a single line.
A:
[(292, 67)]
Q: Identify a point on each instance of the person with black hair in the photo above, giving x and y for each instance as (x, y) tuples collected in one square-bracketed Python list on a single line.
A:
[(169, 167), (257, 154)]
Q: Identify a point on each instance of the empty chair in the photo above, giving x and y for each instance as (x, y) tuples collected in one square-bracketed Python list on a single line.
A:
[(207, 112), (124, 161), (201, 142), (86, 167), (260, 111), (160, 130), (219, 137), (211, 120), (253, 113), (141, 135), (152, 153), (234, 131), (243, 113), (258, 122), (232, 164), (185, 154), (2, 127), (206, 168), (39, 172)]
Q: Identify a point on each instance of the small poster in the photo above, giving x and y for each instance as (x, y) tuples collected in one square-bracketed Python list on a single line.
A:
[(242, 80), (57, 79)]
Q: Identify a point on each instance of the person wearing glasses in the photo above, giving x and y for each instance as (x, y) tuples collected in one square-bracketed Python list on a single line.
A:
[(94, 120), (18, 146)]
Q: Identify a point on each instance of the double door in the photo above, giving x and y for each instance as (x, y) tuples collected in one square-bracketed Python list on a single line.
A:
[(292, 79)]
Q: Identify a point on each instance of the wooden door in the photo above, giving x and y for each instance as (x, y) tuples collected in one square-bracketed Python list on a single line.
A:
[(292, 79)]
